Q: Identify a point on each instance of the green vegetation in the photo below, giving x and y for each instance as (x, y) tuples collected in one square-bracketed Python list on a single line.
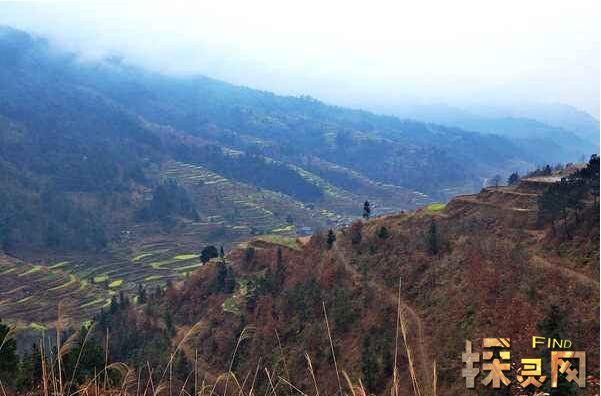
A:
[(33, 269), (331, 238), (435, 207), (72, 280), (287, 228), (186, 256), (59, 265), (141, 256), (100, 278), (116, 283), (37, 327), (230, 305), (566, 198), (153, 278), (289, 242)]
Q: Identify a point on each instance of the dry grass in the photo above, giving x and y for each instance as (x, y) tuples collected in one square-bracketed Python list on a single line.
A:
[(56, 382)]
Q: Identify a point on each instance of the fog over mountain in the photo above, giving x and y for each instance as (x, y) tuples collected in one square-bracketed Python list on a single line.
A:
[(264, 197), (381, 56)]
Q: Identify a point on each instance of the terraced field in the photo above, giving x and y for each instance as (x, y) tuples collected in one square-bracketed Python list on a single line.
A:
[(244, 209), (152, 263), (30, 294), (266, 211), (230, 212), (385, 198)]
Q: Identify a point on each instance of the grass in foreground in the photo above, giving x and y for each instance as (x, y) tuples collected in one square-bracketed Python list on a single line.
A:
[(119, 379)]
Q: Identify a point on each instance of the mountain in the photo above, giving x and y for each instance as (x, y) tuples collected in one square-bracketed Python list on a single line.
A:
[(564, 137), (188, 215), (86, 145), (114, 176), (290, 313), (555, 114)]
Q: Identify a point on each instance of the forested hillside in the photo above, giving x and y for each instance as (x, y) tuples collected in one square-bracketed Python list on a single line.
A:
[(296, 315), (114, 177)]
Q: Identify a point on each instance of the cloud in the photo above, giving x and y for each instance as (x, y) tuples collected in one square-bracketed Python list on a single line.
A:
[(358, 54)]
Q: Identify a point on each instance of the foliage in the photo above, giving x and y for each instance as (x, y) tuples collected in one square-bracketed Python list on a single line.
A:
[(168, 199), (8, 355), (568, 195), (433, 239), (207, 253), (383, 233), (331, 238), (366, 210), (514, 178)]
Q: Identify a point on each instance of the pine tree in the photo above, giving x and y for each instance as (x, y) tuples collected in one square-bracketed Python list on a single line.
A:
[(513, 178), (366, 210), (280, 271), (30, 374), (141, 294), (208, 253), (432, 239), (8, 355), (383, 233), (169, 326), (331, 238)]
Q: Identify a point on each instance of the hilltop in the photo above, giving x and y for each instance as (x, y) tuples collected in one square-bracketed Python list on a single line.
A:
[(497, 263)]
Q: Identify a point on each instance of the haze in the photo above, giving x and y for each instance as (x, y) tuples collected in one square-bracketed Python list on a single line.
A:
[(359, 54)]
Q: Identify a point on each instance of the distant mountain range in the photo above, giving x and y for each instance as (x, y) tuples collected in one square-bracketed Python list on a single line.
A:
[(556, 132)]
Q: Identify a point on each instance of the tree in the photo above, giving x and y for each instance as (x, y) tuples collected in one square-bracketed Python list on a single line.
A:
[(249, 255), (169, 325), (208, 253), (432, 239), (366, 210), (224, 280), (547, 171), (85, 358), (554, 325), (369, 364), (8, 355), (342, 309), (31, 370), (555, 202), (513, 179), (331, 238), (280, 270), (383, 233), (141, 294)]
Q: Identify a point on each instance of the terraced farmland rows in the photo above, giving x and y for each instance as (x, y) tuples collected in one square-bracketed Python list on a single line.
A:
[(148, 266), (30, 294), (384, 197), (242, 208), (230, 212)]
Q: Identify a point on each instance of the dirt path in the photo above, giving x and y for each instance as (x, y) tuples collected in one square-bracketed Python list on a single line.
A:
[(419, 347)]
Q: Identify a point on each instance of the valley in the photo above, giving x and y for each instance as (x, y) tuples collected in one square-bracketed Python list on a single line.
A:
[(188, 218)]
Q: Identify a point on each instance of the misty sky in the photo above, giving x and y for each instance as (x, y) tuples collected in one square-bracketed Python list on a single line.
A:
[(365, 54)]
